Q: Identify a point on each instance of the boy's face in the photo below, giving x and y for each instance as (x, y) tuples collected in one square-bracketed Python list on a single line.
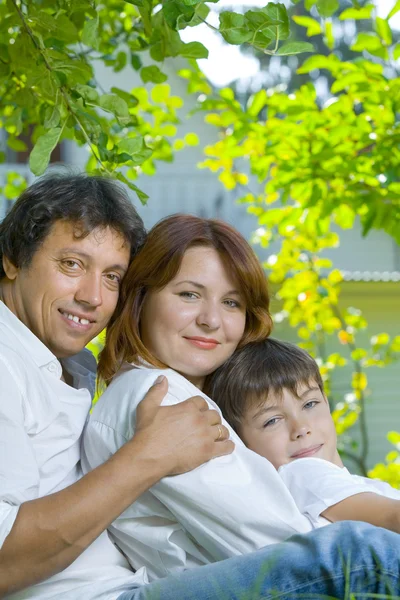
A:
[(287, 427)]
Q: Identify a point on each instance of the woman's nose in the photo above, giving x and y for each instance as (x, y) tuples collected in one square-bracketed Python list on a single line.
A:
[(209, 317)]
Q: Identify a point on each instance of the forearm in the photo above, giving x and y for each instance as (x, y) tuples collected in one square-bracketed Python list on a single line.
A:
[(50, 533), (368, 507)]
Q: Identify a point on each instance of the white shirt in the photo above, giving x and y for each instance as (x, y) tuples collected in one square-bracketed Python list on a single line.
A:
[(317, 484), (41, 423), (231, 505)]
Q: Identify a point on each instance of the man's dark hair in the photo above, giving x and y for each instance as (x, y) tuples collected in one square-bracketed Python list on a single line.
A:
[(90, 202), (254, 371)]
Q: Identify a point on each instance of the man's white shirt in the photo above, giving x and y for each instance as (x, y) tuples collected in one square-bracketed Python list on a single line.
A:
[(41, 423), (229, 506)]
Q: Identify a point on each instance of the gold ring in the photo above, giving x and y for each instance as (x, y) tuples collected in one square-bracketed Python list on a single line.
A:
[(220, 433)]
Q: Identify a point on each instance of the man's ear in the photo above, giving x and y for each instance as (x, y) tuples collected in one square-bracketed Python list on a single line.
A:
[(10, 269)]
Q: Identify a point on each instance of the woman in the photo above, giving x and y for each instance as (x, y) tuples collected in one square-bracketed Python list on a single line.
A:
[(193, 294)]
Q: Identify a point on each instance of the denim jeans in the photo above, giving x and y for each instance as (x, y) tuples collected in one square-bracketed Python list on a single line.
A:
[(329, 563)]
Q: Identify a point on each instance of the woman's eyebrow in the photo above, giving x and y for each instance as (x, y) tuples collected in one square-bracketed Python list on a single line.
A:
[(200, 286)]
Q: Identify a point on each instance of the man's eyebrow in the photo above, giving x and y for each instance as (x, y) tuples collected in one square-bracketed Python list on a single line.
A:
[(200, 286), (89, 257)]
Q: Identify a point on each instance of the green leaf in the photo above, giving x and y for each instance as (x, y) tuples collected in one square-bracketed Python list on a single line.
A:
[(329, 37), (130, 99), (327, 8), (191, 139), (52, 117), (16, 144), (177, 14), (257, 103), (295, 48), (313, 26), (153, 74), (383, 30), (114, 104), (394, 10), (371, 43), (88, 93), (363, 12), (143, 197), (233, 28), (160, 93), (193, 50), (66, 30), (90, 34), (272, 21), (396, 52), (131, 145), (40, 155)]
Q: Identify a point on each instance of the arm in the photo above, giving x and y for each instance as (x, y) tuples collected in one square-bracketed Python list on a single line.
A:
[(50, 532), (229, 506), (369, 507)]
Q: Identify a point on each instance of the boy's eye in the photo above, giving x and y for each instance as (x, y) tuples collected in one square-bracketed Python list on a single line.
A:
[(311, 404), (271, 422)]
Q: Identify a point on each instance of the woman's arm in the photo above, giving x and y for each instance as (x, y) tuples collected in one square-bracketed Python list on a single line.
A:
[(369, 507)]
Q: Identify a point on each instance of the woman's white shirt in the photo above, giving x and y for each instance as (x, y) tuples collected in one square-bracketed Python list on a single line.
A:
[(317, 484), (231, 505)]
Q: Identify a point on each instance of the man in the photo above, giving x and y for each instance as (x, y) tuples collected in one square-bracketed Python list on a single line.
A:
[(65, 247)]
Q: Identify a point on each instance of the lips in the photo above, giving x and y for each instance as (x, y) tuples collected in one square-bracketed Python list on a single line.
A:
[(310, 451), (203, 343)]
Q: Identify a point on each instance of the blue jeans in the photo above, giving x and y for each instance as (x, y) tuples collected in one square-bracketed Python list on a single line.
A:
[(329, 563)]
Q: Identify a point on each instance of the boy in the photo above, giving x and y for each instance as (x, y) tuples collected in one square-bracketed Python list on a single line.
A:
[(272, 394)]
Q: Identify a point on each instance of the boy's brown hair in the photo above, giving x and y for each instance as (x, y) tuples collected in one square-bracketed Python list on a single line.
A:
[(254, 371)]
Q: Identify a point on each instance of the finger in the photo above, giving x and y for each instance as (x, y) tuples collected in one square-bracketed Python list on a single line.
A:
[(223, 448), (221, 433), (213, 417), (198, 402), (155, 395)]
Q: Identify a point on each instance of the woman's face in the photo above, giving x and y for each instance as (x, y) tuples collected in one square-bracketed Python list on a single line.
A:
[(197, 320)]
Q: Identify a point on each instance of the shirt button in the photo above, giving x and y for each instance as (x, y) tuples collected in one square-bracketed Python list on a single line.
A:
[(52, 368)]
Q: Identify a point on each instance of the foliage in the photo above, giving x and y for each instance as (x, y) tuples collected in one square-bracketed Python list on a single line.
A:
[(48, 86), (313, 168)]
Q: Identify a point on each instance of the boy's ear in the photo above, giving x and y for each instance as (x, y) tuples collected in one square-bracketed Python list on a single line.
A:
[(10, 269)]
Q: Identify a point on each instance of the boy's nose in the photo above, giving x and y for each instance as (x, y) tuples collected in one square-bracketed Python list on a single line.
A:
[(302, 431)]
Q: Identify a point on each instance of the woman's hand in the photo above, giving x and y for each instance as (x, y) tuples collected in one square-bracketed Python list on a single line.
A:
[(179, 437)]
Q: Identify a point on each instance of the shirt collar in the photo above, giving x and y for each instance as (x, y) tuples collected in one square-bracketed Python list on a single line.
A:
[(39, 353)]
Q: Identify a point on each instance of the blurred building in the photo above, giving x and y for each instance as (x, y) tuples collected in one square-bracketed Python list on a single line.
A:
[(371, 265)]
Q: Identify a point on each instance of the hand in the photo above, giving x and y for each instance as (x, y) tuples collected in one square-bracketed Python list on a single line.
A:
[(183, 436)]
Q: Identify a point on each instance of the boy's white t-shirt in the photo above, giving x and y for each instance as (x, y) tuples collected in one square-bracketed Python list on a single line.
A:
[(317, 484)]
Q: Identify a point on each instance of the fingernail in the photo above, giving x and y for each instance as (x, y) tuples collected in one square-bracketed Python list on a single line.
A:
[(159, 379)]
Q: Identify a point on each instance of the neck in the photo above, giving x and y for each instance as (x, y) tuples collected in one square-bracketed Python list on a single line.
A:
[(197, 381)]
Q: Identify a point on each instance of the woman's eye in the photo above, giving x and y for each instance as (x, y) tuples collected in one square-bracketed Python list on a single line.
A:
[(232, 303), (189, 295)]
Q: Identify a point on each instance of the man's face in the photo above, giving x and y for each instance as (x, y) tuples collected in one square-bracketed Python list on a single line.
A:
[(69, 291), (288, 427)]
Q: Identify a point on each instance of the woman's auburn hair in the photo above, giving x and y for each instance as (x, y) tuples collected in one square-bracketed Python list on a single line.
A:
[(158, 262)]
